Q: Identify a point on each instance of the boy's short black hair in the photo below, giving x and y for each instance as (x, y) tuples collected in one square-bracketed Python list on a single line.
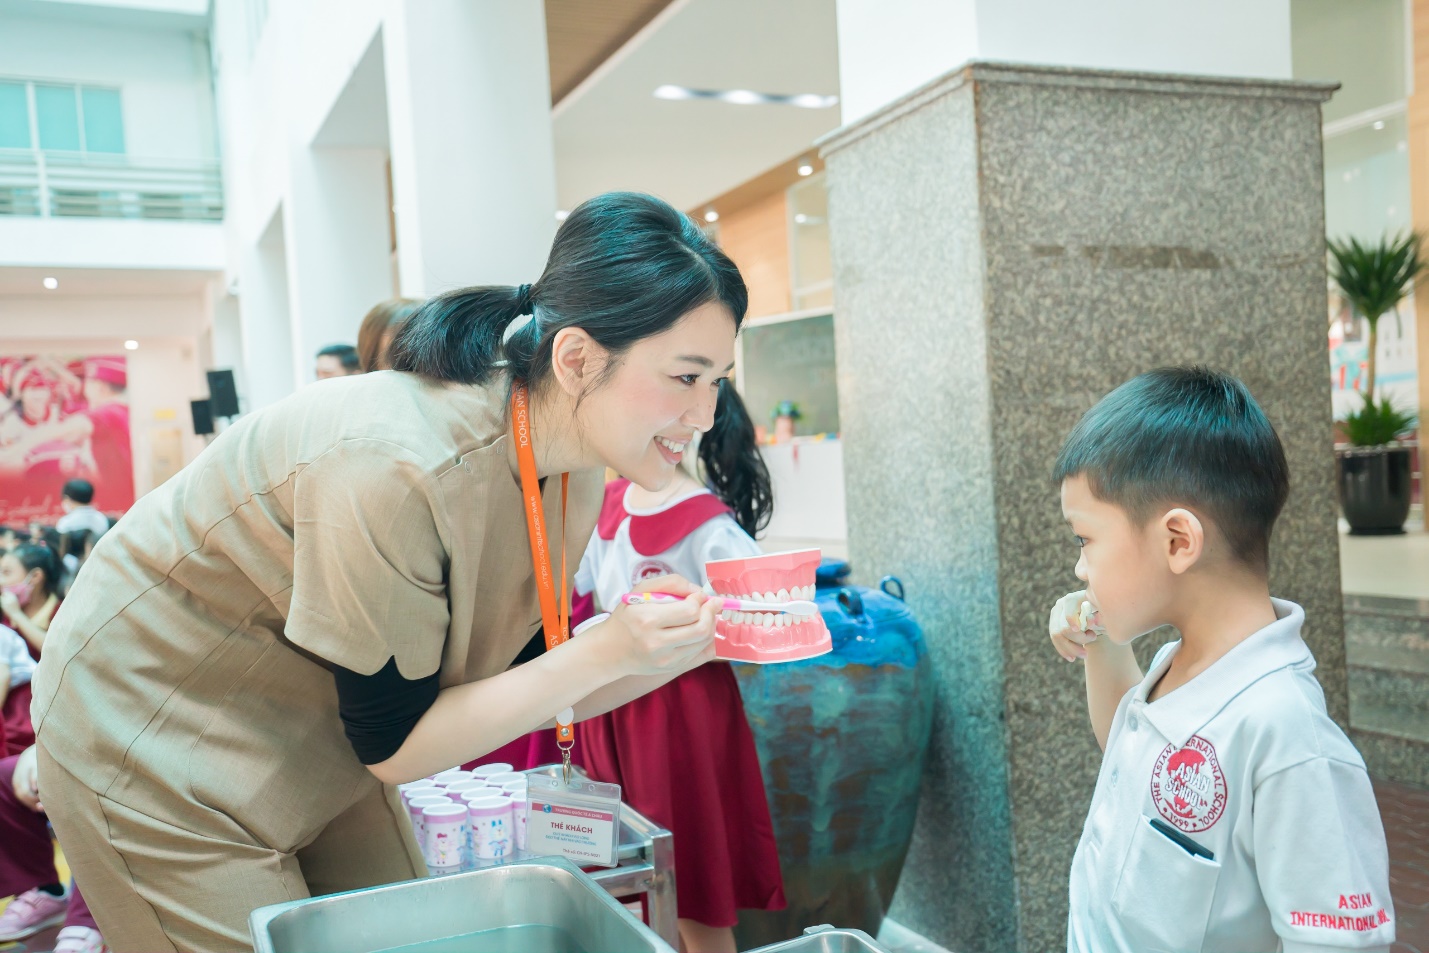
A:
[(81, 491), (346, 355), (1189, 436)]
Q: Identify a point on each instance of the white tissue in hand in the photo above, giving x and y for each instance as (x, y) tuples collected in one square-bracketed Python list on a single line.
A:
[(1084, 618)]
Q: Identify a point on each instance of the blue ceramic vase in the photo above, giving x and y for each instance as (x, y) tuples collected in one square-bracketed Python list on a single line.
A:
[(842, 741)]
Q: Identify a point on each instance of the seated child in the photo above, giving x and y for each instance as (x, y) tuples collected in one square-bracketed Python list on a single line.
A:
[(1230, 812), (17, 667)]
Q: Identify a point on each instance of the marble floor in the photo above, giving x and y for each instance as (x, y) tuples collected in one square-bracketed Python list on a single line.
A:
[(1386, 565)]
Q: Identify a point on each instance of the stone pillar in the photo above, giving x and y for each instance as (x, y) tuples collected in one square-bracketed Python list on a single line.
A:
[(473, 158), (1009, 244)]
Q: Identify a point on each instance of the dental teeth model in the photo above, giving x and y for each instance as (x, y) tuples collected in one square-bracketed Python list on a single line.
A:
[(769, 625)]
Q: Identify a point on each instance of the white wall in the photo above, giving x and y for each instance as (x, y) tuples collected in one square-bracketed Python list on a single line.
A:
[(1360, 45), (163, 77), (453, 94), (889, 47), (110, 243)]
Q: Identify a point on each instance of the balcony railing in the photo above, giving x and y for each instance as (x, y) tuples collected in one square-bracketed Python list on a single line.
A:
[(80, 185)]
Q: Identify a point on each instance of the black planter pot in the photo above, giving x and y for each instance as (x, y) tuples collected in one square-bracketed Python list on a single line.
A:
[(1375, 488)]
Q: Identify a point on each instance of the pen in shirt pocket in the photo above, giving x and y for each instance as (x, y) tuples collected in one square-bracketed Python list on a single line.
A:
[(1181, 840)]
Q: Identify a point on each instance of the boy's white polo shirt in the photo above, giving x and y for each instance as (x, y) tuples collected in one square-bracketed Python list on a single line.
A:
[(1243, 760)]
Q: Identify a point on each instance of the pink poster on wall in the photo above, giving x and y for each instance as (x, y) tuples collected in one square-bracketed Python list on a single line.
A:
[(61, 418)]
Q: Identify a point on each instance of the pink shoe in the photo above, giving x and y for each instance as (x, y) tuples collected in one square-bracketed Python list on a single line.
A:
[(80, 940), (31, 912)]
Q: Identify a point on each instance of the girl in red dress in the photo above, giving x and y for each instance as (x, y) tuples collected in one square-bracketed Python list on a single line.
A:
[(683, 754)]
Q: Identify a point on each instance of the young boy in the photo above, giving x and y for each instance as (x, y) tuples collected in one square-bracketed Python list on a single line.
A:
[(1230, 813)]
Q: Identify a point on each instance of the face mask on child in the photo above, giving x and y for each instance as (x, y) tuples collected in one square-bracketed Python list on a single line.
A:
[(21, 591)]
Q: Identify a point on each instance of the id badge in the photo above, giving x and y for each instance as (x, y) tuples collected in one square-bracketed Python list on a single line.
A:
[(579, 821)]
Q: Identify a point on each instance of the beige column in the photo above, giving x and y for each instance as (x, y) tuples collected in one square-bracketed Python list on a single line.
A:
[(1418, 121)]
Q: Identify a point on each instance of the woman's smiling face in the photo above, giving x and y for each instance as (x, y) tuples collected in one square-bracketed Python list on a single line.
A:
[(641, 419)]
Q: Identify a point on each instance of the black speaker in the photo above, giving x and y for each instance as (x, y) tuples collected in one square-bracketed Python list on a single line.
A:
[(203, 417), (222, 394)]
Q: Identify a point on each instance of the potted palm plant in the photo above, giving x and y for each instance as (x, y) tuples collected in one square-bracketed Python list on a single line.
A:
[(1374, 470)]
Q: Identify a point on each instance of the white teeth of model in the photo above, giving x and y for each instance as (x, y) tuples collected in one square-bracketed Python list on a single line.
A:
[(767, 620), (727, 616), (782, 595), (808, 593), (783, 620), (768, 597)]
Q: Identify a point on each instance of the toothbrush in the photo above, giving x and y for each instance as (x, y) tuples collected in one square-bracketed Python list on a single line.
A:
[(797, 607)]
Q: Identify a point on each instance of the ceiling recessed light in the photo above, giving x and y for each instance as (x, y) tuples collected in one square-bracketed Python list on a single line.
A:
[(801, 219), (743, 97), (711, 216), (51, 283), (806, 169), (748, 97), (562, 214), (1379, 124), (131, 345)]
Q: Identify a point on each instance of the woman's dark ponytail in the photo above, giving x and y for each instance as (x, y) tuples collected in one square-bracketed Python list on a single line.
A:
[(733, 466), (457, 336), (623, 267)]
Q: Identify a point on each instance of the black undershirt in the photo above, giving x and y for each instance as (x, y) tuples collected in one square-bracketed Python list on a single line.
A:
[(379, 711)]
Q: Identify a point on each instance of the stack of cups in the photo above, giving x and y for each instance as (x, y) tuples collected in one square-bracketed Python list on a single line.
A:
[(492, 827), (444, 839), (416, 804)]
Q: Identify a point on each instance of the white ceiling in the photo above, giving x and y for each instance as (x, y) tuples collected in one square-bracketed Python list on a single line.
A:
[(612, 133)]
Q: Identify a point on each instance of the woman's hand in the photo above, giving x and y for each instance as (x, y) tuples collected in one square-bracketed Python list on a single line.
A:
[(26, 781), (661, 638), (10, 605)]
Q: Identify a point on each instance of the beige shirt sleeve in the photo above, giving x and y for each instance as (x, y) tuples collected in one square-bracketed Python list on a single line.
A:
[(369, 561)]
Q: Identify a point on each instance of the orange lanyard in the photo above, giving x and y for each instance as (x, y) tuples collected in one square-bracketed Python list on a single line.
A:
[(555, 617)]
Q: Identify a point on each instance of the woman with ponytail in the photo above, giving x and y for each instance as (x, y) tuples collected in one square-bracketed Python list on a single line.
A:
[(683, 754), (333, 597)]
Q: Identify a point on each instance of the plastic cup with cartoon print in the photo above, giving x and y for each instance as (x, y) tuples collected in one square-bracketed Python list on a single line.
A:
[(768, 636), (505, 777), (483, 772), (519, 808), (453, 776), (413, 788), (492, 827), (445, 835), (414, 811), (466, 797), (514, 787), (458, 788)]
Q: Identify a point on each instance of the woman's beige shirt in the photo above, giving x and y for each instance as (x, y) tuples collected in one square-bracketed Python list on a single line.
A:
[(361, 519)]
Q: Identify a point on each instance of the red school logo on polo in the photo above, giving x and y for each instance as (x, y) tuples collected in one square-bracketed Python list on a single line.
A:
[(1188, 786)]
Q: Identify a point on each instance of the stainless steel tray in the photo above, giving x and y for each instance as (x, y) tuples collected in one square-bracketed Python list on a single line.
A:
[(543, 905), (826, 939)]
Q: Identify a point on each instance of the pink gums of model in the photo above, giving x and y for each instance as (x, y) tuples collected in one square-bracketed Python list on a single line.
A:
[(764, 636)]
